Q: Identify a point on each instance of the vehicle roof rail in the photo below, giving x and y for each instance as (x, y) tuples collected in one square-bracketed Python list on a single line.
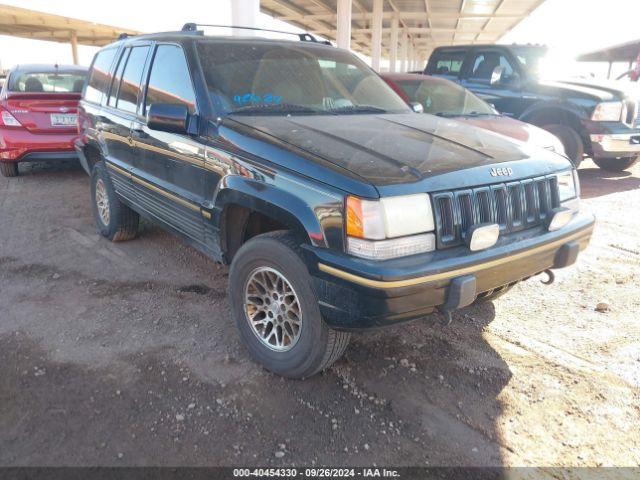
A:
[(303, 37)]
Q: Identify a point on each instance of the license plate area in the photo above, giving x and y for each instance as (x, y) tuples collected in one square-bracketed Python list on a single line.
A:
[(64, 119)]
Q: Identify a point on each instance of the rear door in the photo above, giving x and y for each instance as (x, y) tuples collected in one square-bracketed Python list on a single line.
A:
[(170, 161), (115, 127), (122, 104), (98, 113)]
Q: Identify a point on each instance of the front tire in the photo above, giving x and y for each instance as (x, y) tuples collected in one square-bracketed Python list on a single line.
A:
[(616, 164), (115, 220), (9, 169), (276, 309), (571, 141)]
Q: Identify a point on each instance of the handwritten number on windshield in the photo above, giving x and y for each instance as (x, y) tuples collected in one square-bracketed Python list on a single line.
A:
[(253, 98)]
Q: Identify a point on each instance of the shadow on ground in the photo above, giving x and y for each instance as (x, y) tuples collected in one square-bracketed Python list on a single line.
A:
[(421, 394), (595, 182)]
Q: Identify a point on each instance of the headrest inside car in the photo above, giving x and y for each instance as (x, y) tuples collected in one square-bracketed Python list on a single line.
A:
[(32, 84)]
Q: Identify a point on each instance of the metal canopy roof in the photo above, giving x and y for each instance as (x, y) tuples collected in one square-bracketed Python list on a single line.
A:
[(21, 22), (429, 23), (624, 52)]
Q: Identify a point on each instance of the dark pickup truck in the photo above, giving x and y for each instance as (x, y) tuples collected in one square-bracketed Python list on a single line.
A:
[(337, 207), (598, 120)]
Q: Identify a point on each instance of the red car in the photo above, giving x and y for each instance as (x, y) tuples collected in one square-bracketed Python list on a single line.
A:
[(38, 114), (445, 98)]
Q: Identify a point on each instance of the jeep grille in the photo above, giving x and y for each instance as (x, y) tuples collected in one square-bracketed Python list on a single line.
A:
[(514, 206)]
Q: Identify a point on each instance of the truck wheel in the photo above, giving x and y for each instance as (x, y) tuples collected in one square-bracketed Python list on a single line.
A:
[(571, 141), (114, 219), (9, 169), (276, 309), (616, 164)]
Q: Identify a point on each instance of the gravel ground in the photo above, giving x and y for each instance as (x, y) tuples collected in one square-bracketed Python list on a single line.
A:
[(125, 354)]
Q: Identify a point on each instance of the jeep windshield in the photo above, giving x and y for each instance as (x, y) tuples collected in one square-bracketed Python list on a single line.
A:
[(269, 78), (443, 98)]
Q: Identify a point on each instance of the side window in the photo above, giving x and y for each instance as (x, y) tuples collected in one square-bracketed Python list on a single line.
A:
[(448, 63), (99, 78), (169, 81), (116, 80), (131, 78), (485, 63)]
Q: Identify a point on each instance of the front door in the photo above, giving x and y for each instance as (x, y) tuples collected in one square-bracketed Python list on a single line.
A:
[(506, 94), (174, 163)]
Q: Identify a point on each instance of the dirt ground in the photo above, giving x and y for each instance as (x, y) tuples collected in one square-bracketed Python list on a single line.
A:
[(125, 354)]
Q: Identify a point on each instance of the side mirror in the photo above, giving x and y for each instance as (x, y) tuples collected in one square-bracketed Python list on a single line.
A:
[(416, 107), (167, 117), (496, 75)]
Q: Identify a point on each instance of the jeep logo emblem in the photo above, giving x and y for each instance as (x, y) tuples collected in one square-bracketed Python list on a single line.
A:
[(501, 172)]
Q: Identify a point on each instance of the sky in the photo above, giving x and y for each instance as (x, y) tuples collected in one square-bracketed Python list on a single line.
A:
[(569, 27)]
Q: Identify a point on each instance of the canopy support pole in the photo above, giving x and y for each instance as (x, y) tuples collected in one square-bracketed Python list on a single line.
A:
[(344, 24), (74, 47), (244, 13), (376, 35), (393, 48)]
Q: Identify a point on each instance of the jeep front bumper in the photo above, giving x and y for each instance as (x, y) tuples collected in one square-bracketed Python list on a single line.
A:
[(357, 294)]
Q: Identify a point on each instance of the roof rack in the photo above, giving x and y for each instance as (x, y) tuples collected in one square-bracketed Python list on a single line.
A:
[(303, 37)]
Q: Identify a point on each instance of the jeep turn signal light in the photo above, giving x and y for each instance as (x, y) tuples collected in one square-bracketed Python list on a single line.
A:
[(354, 217), (364, 219)]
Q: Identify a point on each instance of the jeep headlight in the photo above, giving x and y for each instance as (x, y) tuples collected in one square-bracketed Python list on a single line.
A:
[(390, 227), (608, 112)]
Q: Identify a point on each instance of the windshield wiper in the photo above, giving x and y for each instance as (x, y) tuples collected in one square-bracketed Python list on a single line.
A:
[(468, 114), (478, 114), (277, 108), (358, 109)]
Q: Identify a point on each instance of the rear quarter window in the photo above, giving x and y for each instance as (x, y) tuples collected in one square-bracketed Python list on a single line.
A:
[(448, 62), (129, 91), (100, 76)]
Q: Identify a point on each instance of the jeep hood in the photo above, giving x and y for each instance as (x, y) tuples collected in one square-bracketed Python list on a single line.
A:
[(394, 149)]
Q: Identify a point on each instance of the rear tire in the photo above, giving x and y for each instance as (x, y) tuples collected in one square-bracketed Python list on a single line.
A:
[(616, 164), (115, 220), (571, 141), (263, 268), (9, 169)]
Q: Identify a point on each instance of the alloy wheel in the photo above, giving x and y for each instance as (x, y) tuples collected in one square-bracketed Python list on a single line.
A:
[(272, 309), (102, 202)]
